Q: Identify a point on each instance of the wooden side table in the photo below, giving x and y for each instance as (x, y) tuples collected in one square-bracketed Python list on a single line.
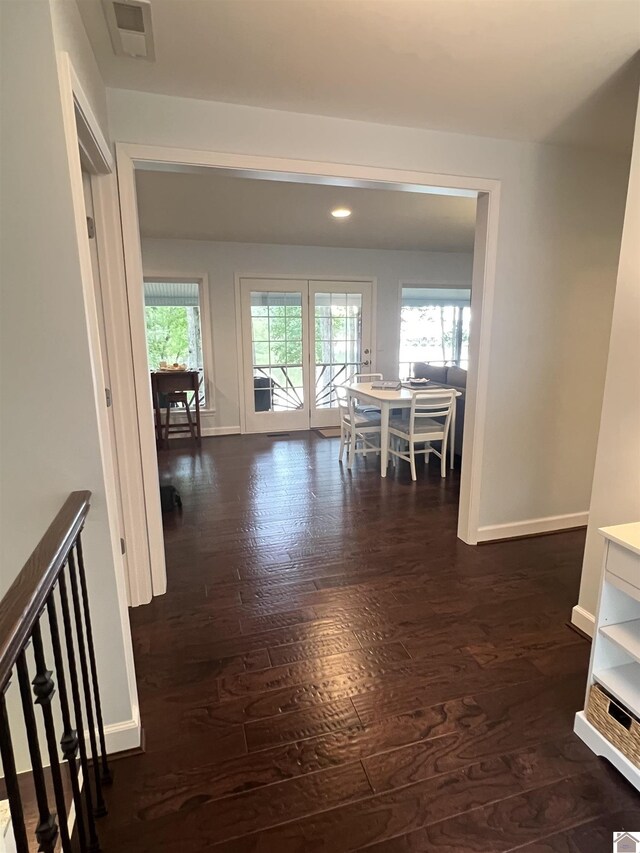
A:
[(176, 382)]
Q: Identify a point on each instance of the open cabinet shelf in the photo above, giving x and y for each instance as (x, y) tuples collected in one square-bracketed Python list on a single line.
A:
[(623, 682), (626, 635)]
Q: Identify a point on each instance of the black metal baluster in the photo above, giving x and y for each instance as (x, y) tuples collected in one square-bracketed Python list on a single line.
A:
[(106, 772), (94, 844), (69, 741), (101, 807), (11, 779), (47, 829), (44, 689)]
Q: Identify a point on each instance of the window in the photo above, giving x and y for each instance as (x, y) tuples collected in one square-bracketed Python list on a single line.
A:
[(434, 326), (175, 318)]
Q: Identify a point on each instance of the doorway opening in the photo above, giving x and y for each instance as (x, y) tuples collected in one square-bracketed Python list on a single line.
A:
[(282, 337)]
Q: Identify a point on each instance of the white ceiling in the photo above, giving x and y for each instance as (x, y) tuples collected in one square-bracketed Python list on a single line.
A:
[(538, 70), (209, 206)]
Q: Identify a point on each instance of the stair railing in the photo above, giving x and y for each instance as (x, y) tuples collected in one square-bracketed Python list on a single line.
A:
[(47, 606)]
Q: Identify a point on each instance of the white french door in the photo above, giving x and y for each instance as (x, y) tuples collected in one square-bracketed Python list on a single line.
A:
[(300, 338), (340, 341), (275, 337)]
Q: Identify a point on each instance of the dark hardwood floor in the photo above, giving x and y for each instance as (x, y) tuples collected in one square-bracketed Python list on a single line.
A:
[(331, 669)]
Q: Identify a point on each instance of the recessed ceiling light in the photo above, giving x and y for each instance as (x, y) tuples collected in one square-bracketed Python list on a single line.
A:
[(341, 213)]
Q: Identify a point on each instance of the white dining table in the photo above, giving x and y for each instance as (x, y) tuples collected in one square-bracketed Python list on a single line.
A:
[(395, 399)]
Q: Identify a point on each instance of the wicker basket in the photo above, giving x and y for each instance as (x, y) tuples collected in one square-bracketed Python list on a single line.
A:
[(615, 722)]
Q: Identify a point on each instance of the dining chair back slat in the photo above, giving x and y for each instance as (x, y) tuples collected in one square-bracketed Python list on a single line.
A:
[(431, 404)]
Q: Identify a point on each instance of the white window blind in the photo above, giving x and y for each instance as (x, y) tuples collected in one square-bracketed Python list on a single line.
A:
[(418, 297), (159, 294)]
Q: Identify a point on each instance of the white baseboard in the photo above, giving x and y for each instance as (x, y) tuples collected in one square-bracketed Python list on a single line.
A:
[(121, 737), (118, 737), (208, 431), (232, 430), (531, 526), (584, 620)]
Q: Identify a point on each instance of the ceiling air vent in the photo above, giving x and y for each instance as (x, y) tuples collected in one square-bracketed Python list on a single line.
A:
[(129, 23)]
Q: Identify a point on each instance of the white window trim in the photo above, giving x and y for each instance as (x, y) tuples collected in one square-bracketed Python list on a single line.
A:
[(202, 280)]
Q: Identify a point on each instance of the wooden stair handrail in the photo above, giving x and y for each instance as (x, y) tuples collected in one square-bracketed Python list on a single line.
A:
[(25, 599)]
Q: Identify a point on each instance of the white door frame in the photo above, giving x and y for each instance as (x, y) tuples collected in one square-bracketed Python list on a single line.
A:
[(83, 134), (130, 156), (95, 155)]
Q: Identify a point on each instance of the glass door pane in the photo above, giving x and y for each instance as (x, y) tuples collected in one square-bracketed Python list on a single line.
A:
[(276, 339), (338, 323), (340, 333), (275, 354)]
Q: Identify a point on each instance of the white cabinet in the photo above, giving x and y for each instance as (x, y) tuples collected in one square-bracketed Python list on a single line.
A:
[(615, 653)]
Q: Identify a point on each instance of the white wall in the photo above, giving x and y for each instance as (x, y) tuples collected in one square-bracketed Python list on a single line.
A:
[(615, 498), (560, 225), (221, 261), (70, 36), (44, 348)]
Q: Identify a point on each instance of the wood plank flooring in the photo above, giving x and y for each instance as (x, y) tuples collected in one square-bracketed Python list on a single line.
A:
[(331, 669)]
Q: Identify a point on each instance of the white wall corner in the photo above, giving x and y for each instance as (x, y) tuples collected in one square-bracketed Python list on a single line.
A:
[(531, 526), (583, 620), (615, 496)]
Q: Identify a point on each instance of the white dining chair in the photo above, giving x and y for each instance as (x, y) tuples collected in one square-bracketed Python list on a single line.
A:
[(356, 428), (423, 428), (366, 408)]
